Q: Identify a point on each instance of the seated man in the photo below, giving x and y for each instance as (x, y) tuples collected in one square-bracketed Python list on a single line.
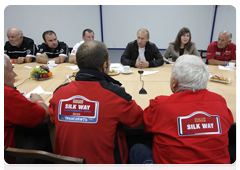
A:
[(51, 49), (223, 51), (191, 125), (141, 53), (87, 35), (19, 48), (89, 113), (18, 110)]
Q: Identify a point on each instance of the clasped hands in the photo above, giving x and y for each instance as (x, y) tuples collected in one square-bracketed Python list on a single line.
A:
[(57, 59), (142, 64), (20, 60)]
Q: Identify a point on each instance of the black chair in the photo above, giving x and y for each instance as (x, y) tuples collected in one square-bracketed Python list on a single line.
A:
[(203, 53)]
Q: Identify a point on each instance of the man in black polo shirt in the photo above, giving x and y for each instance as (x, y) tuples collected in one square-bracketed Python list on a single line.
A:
[(51, 49), (19, 48)]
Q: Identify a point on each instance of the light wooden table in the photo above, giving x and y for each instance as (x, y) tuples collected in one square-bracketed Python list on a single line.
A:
[(155, 84)]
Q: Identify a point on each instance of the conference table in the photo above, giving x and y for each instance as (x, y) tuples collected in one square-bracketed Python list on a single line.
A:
[(155, 84)]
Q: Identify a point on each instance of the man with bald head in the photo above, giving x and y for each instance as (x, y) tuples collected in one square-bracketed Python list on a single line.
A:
[(19, 48), (222, 51), (141, 53)]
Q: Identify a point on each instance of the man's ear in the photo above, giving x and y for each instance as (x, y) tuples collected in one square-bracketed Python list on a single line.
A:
[(174, 84), (21, 38), (104, 66)]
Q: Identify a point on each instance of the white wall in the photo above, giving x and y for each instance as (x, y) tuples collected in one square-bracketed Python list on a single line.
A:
[(120, 23), (67, 21), (225, 21), (162, 21)]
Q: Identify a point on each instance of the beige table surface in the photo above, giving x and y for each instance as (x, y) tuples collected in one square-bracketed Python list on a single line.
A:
[(155, 84)]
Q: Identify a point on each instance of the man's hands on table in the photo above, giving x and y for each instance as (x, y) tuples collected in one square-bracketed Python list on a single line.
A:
[(34, 97), (142, 64), (43, 58), (218, 62), (21, 60)]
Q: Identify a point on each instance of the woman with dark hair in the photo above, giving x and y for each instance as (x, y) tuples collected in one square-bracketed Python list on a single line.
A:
[(181, 45)]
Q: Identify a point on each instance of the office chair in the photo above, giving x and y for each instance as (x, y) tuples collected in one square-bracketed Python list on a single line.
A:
[(202, 53)]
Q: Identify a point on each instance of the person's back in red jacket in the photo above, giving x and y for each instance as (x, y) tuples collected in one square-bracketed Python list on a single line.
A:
[(190, 126), (89, 113)]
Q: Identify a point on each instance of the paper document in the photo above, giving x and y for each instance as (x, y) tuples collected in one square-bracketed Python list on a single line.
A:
[(37, 90), (224, 68), (73, 67), (149, 72)]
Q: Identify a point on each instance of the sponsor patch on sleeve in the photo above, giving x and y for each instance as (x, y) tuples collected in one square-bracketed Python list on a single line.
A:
[(78, 109), (199, 123)]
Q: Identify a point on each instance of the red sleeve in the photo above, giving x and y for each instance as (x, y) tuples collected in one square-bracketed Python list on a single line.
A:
[(51, 109), (131, 114), (147, 119), (234, 52), (18, 110), (148, 115), (211, 51)]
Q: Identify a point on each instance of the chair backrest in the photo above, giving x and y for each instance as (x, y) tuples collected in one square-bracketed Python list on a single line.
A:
[(9, 153), (203, 53)]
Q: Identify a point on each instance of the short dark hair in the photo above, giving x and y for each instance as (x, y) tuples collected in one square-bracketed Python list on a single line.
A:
[(49, 32), (86, 30), (92, 55)]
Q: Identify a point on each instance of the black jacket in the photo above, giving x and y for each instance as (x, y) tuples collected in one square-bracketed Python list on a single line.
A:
[(152, 54)]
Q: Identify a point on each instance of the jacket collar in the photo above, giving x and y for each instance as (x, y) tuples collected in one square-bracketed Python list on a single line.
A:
[(136, 45), (94, 75)]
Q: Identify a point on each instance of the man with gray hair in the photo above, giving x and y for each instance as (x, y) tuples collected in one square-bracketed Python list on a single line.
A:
[(191, 125), (222, 51), (32, 115), (142, 53), (19, 48)]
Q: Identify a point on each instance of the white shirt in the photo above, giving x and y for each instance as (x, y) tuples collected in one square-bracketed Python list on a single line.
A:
[(141, 54), (74, 50)]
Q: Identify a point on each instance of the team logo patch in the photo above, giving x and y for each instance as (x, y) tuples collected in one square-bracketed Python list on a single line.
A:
[(228, 52), (199, 123), (78, 109), (28, 51), (218, 53)]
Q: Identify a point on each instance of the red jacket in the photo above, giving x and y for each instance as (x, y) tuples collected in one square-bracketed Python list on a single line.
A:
[(18, 110), (89, 115), (189, 128), (229, 53)]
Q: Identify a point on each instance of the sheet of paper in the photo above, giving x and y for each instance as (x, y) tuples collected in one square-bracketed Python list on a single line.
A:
[(27, 66), (145, 73), (73, 67), (37, 90), (224, 68), (115, 65)]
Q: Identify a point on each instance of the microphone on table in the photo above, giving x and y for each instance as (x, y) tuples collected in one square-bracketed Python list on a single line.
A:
[(142, 91)]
